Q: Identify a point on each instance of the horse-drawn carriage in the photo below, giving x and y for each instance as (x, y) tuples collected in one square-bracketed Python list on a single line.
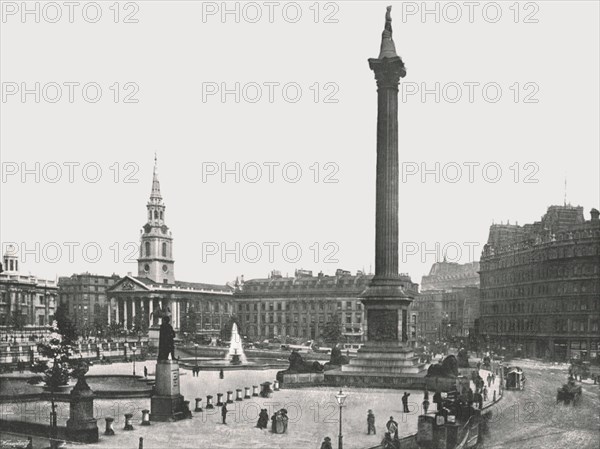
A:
[(569, 393), (515, 379)]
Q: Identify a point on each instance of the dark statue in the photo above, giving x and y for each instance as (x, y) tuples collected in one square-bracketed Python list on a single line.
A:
[(166, 338), (337, 358), (80, 369), (299, 365), (448, 368), (463, 358)]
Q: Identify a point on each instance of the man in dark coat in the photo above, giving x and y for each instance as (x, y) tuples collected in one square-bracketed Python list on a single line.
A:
[(437, 399), (405, 402), (371, 423), (326, 444), (224, 413), (470, 397), (392, 427), (145, 372)]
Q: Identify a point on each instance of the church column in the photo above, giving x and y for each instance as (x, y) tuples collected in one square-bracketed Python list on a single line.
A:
[(133, 303), (108, 303), (117, 314), (125, 300), (150, 311)]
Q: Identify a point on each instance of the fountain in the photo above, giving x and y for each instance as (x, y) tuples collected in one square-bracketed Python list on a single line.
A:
[(236, 355)]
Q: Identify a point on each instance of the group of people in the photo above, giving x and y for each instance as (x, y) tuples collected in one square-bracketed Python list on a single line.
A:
[(279, 420)]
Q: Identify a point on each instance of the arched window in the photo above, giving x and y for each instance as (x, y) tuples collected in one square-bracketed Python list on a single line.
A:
[(149, 215), (155, 215), (161, 215), (147, 248), (164, 249)]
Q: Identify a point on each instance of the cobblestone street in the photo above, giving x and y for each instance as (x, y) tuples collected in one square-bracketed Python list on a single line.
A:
[(531, 418)]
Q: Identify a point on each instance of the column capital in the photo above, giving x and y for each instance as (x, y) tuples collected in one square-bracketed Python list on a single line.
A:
[(388, 71)]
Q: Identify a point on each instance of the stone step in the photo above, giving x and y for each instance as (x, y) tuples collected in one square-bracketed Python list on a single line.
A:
[(383, 370), (377, 363)]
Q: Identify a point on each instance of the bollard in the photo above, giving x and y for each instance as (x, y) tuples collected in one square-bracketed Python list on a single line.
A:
[(128, 425), (141, 444), (247, 393), (219, 399), (254, 390), (109, 426), (494, 400), (238, 394), (276, 385), (198, 405), (209, 402), (230, 397), (145, 417), (186, 409), (29, 442)]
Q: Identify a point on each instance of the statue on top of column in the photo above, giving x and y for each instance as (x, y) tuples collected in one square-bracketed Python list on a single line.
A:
[(166, 340)]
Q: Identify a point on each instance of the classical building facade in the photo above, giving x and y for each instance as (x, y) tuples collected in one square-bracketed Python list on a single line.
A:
[(26, 302), (85, 295), (155, 286), (448, 305), (540, 285), (300, 306)]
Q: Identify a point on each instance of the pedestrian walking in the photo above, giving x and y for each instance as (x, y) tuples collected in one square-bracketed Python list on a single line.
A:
[(326, 444), (371, 423), (221, 374), (224, 413), (145, 371), (485, 393), (405, 402)]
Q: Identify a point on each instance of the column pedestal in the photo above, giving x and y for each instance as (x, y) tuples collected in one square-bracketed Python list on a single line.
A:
[(167, 404)]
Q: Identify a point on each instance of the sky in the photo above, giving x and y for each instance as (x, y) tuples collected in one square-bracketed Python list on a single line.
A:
[(263, 120)]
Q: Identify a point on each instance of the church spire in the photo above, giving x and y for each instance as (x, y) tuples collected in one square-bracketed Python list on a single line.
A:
[(155, 195)]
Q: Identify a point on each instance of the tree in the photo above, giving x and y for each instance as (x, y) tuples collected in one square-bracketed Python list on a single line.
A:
[(66, 327), (189, 323), (226, 328), (55, 365), (140, 326), (332, 331), (16, 320), (100, 320)]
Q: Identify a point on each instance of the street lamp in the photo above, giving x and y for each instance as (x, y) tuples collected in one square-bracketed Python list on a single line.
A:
[(133, 349), (196, 349), (341, 398)]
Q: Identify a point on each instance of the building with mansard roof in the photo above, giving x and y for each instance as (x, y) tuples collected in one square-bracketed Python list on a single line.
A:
[(155, 286), (540, 285)]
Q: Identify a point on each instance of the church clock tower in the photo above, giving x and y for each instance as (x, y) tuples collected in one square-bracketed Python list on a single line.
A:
[(156, 245)]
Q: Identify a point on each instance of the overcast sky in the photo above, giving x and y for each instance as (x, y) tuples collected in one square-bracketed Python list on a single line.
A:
[(520, 97)]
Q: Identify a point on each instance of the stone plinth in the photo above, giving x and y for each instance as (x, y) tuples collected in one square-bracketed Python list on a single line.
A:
[(167, 404), (81, 425)]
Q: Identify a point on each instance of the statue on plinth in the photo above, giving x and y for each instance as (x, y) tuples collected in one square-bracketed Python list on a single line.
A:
[(166, 340)]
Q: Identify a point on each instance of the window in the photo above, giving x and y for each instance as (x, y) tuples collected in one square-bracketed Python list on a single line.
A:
[(147, 245), (164, 249)]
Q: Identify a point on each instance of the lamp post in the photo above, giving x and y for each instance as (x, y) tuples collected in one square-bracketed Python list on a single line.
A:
[(341, 398), (196, 350), (133, 349)]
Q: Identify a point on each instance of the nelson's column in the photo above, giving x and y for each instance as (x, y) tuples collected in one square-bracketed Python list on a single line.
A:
[(385, 360)]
